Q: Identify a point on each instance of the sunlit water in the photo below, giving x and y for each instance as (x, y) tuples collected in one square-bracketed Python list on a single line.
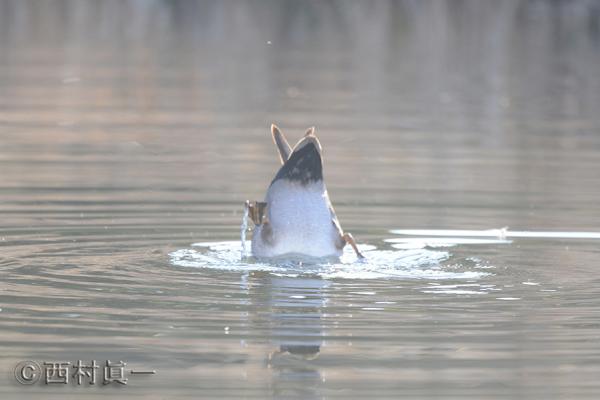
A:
[(131, 133), (378, 264)]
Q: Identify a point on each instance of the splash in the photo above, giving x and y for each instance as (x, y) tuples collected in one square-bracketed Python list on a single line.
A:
[(244, 229), (416, 263)]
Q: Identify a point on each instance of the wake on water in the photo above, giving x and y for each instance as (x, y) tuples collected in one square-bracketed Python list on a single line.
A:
[(407, 258), (411, 261)]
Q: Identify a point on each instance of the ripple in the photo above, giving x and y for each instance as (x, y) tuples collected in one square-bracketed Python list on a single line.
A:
[(378, 263), (468, 288), (501, 233), (417, 243)]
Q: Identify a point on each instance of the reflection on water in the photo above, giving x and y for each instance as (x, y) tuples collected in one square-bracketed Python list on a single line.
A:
[(130, 131), (296, 331)]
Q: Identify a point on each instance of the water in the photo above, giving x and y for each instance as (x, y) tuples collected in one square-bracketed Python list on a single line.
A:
[(243, 231), (131, 133)]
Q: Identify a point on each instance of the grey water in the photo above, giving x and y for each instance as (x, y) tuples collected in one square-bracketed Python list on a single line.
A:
[(131, 133)]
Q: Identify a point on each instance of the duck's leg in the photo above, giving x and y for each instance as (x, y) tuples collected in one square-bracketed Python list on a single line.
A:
[(350, 240), (257, 211), (344, 238)]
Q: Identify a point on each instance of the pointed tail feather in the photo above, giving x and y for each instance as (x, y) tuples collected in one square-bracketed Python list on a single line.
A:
[(304, 164), (282, 144)]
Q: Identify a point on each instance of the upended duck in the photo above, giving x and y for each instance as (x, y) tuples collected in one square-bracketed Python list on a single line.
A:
[(296, 217)]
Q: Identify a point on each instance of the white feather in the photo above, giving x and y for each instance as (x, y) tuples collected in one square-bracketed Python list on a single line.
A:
[(300, 219)]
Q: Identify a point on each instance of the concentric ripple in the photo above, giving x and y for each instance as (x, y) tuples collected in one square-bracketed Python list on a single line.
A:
[(417, 263)]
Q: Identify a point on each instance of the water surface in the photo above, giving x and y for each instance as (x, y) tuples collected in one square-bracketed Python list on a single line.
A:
[(131, 132)]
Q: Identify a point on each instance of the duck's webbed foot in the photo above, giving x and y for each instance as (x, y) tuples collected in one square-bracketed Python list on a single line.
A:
[(350, 240), (257, 211)]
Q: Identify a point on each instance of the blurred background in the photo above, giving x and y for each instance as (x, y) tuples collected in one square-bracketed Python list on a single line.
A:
[(416, 103), (129, 129)]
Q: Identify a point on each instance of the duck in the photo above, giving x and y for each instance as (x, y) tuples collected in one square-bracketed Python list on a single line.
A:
[(296, 216)]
